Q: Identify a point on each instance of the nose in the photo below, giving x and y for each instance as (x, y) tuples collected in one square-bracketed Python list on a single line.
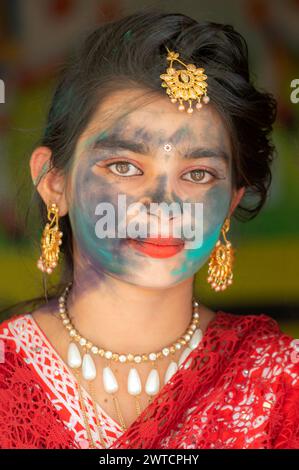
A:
[(162, 211), (146, 200)]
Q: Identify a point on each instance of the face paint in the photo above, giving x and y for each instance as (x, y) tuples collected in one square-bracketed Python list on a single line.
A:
[(216, 204), (43, 171), (160, 180)]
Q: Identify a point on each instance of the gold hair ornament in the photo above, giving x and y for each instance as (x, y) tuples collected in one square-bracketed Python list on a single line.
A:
[(185, 84)]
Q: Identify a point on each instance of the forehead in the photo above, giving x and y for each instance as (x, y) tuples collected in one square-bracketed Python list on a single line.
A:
[(154, 118)]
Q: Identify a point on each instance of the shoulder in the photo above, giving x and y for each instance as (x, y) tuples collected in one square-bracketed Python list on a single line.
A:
[(12, 327), (18, 337), (23, 396), (16, 326), (262, 343), (12, 333), (260, 326), (262, 356)]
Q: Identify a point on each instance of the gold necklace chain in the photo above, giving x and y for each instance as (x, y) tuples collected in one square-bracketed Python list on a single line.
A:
[(123, 358), (89, 347)]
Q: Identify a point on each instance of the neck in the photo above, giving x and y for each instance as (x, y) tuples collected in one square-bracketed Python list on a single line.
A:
[(126, 318)]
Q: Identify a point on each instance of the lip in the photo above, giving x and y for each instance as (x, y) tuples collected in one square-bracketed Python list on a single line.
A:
[(161, 241), (157, 247)]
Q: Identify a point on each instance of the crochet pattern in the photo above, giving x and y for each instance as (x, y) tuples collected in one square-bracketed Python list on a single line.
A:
[(238, 389)]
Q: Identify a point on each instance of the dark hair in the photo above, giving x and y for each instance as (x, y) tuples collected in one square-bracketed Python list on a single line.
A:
[(130, 53)]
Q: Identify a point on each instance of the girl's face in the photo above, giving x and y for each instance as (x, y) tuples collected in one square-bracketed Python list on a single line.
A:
[(155, 154)]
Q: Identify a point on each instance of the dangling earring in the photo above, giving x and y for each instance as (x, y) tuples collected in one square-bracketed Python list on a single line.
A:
[(51, 239), (220, 274)]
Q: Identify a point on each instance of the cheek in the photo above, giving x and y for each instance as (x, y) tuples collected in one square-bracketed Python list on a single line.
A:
[(87, 192), (216, 204)]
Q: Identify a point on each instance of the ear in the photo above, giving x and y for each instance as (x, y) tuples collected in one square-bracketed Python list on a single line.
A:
[(49, 182), (237, 196)]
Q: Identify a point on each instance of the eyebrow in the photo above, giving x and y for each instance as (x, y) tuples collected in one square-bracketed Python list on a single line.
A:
[(115, 142)]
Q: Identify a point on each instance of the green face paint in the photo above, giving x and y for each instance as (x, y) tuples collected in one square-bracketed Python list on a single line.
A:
[(128, 35), (43, 171), (157, 177), (215, 208)]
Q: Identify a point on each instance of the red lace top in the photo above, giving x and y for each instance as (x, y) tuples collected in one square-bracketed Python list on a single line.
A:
[(238, 389)]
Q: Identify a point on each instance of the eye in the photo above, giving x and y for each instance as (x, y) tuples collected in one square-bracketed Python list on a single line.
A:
[(124, 168), (200, 176)]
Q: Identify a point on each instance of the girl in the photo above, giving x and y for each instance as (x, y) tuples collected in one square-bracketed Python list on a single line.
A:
[(154, 108)]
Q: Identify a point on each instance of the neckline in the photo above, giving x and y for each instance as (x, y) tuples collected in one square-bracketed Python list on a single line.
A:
[(63, 364)]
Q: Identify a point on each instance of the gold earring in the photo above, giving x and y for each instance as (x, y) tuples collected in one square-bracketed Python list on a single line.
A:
[(220, 274), (50, 242)]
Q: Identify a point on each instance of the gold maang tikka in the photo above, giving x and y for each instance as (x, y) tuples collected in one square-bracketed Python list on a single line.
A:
[(50, 242), (220, 274), (185, 84)]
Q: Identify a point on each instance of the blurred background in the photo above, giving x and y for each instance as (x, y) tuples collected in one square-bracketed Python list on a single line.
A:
[(35, 36)]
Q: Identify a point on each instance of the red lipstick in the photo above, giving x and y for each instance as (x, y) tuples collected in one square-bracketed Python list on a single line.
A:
[(157, 247)]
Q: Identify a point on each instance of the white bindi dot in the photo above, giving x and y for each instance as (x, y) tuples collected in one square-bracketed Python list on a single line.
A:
[(167, 147)]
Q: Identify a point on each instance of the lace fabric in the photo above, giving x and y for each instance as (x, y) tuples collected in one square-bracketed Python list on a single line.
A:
[(59, 383), (27, 416), (241, 391), (238, 389)]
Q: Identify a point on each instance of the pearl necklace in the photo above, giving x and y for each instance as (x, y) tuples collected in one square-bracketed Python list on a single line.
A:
[(192, 336)]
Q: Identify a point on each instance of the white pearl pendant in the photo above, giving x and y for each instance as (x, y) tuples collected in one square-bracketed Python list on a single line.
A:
[(134, 382), (74, 359), (152, 385), (109, 381), (184, 356), (171, 370), (88, 367), (196, 338), (187, 364)]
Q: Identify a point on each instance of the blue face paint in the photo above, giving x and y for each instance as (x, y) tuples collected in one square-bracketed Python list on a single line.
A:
[(43, 171), (216, 204), (101, 254), (113, 256)]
